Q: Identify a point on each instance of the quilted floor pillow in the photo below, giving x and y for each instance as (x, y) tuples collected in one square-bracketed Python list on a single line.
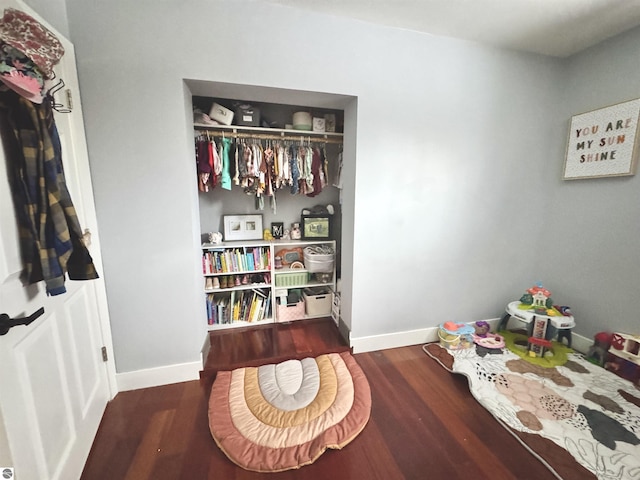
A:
[(282, 416)]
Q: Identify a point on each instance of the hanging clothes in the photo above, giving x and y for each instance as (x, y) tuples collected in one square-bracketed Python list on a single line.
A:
[(317, 174), (51, 238), (262, 168), (204, 162), (225, 181), (295, 170), (236, 171)]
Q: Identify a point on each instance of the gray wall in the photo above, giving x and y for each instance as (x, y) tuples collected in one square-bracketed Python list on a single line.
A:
[(590, 254), (54, 11), (453, 149)]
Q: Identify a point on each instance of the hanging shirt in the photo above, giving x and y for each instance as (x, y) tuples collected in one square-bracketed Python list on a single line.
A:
[(225, 182), (295, 171), (316, 169), (203, 163), (50, 233)]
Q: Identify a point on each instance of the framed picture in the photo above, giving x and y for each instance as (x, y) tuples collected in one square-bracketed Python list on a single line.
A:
[(316, 227), (242, 227), (603, 143), (277, 229)]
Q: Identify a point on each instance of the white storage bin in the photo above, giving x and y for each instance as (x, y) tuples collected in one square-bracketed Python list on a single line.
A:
[(318, 262), (221, 114), (317, 301)]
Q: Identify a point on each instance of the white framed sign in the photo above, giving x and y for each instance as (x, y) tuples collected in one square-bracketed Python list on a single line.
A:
[(603, 143)]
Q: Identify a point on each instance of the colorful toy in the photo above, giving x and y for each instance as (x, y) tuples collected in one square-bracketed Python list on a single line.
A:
[(597, 353), (539, 346), (481, 328), (539, 298), (623, 357), (456, 336), (543, 319), (490, 340)]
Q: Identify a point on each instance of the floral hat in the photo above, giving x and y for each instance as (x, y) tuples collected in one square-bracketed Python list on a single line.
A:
[(26, 34), (20, 74)]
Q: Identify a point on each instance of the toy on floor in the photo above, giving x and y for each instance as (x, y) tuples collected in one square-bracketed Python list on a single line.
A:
[(538, 298), (623, 357), (490, 340), (481, 328), (597, 353), (538, 347), (543, 319), (456, 336)]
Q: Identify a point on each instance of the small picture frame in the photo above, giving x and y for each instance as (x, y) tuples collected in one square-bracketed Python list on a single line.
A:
[(277, 229), (242, 227), (316, 227)]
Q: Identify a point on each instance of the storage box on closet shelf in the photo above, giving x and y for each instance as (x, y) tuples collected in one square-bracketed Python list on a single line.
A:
[(319, 258), (221, 114), (302, 121)]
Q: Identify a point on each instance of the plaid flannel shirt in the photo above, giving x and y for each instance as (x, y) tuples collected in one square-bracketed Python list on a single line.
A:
[(50, 234)]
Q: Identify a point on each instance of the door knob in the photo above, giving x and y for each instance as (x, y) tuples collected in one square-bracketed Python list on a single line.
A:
[(6, 322)]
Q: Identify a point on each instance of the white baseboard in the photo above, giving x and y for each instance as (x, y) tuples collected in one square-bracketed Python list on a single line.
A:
[(430, 334), (154, 377)]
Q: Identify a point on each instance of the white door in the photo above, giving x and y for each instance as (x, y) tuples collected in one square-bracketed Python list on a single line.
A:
[(54, 384)]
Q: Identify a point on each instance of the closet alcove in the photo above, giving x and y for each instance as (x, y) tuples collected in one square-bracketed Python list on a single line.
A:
[(277, 106)]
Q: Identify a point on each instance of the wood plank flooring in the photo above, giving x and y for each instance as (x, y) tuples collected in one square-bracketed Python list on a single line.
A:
[(424, 422)]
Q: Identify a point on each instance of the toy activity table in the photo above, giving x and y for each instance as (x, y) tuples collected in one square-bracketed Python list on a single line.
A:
[(560, 324)]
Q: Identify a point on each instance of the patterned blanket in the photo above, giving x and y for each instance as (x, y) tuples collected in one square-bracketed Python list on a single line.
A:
[(586, 410)]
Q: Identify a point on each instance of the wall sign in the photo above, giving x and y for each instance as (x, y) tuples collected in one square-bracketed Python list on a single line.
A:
[(603, 143)]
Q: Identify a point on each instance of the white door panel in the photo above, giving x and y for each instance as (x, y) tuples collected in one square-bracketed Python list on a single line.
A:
[(81, 337), (46, 392), (54, 384)]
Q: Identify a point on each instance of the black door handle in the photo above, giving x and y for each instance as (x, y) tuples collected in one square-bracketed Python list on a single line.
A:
[(6, 322)]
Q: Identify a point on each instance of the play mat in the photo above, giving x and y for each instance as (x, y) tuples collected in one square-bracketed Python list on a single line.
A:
[(282, 416), (591, 415)]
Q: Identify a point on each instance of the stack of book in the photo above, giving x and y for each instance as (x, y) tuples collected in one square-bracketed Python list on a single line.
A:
[(238, 306), (232, 260)]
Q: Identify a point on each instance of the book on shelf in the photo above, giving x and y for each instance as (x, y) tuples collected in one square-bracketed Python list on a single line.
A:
[(239, 260), (249, 260), (252, 309), (232, 303), (207, 266), (256, 258)]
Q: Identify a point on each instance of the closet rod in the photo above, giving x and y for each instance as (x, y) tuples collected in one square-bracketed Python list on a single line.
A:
[(267, 136)]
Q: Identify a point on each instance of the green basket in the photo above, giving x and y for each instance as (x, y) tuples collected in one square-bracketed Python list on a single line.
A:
[(291, 279)]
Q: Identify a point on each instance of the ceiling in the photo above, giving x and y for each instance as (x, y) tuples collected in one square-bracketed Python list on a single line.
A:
[(557, 28)]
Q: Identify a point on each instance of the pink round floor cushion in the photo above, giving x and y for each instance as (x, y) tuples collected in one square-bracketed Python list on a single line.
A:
[(282, 416)]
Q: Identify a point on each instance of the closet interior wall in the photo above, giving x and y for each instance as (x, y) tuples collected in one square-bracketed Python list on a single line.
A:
[(218, 202)]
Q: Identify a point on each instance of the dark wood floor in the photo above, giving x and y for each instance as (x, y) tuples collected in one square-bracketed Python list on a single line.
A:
[(424, 422)]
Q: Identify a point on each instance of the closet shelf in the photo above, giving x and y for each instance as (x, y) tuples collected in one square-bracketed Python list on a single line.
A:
[(268, 133)]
